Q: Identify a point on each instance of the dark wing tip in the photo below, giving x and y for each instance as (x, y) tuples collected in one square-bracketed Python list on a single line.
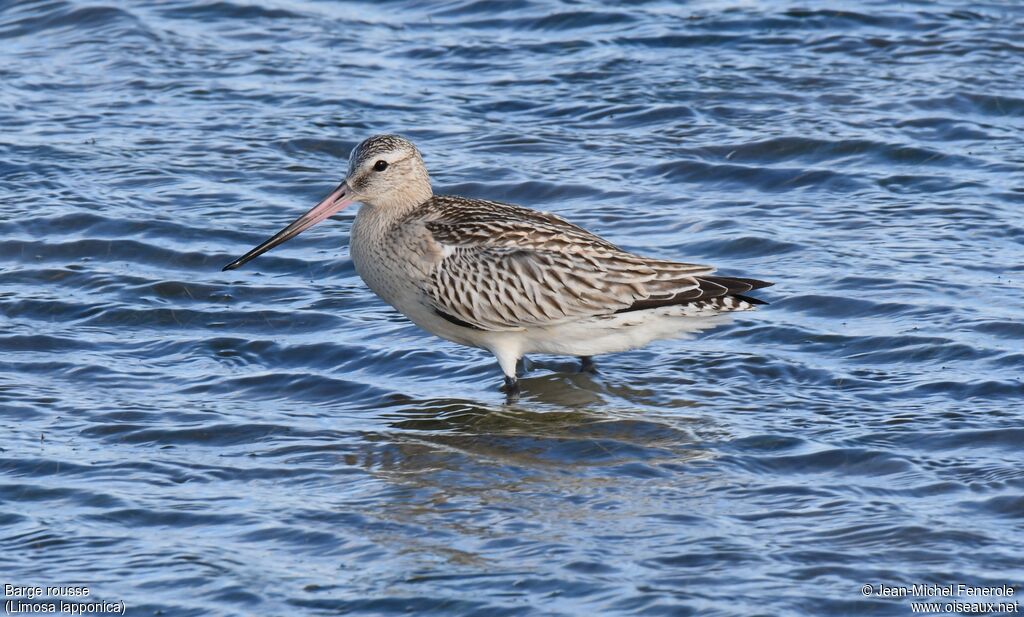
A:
[(749, 299), (709, 289), (738, 287), (737, 284)]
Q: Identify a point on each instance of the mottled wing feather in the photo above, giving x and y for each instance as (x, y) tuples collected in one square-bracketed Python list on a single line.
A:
[(508, 268)]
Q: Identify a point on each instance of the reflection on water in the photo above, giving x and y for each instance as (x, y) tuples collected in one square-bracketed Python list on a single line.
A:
[(473, 490), (276, 441), (564, 437)]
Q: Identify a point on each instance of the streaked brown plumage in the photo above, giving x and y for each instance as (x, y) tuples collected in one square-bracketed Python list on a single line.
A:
[(509, 268)]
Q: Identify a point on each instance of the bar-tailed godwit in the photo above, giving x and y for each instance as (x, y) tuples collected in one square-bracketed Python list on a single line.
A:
[(505, 278)]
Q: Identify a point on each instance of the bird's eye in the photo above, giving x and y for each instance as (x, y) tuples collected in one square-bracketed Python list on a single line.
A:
[(380, 165)]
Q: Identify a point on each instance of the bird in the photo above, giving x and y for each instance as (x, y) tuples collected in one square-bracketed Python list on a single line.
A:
[(504, 278)]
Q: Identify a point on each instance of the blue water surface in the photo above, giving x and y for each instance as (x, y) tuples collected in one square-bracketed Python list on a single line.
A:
[(277, 441)]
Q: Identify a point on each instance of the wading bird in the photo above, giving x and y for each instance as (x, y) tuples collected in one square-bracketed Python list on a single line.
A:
[(505, 278)]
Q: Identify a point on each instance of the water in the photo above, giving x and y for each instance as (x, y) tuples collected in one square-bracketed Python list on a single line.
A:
[(276, 441)]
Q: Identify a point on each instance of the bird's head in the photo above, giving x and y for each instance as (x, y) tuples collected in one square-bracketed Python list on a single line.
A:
[(387, 171), (384, 171)]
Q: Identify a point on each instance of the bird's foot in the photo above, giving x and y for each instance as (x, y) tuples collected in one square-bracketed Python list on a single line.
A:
[(511, 389), (587, 364)]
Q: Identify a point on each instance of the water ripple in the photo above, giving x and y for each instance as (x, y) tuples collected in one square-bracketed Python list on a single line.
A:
[(277, 441)]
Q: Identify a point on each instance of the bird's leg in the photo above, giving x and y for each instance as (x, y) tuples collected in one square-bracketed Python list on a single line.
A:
[(511, 389), (508, 358), (587, 364), (522, 366)]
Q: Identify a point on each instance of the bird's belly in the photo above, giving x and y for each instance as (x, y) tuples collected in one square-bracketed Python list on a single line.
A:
[(412, 303), (619, 332)]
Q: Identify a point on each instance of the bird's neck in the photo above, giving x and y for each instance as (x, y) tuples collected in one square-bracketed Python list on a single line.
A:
[(375, 219), (398, 204)]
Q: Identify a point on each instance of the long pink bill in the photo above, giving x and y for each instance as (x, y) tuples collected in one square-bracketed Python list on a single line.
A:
[(333, 203)]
